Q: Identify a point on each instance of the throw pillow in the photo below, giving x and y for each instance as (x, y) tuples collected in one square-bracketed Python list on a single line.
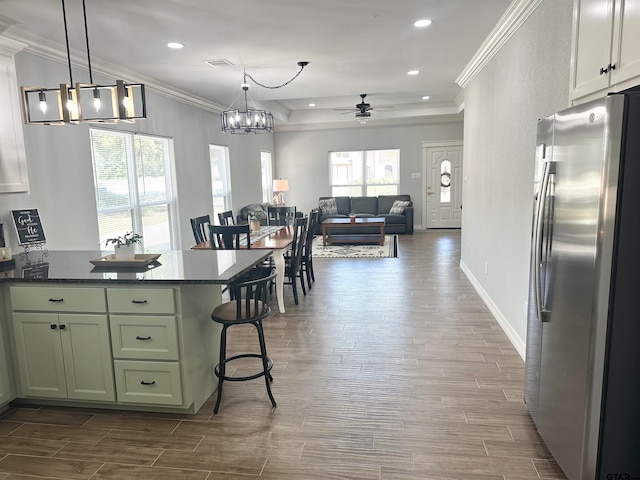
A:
[(399, 207), (328, 206)]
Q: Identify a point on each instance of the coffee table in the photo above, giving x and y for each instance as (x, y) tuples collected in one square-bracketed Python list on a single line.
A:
[(353, 226)]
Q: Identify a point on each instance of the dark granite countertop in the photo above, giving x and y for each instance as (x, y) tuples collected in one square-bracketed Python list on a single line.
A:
[(175, 266)]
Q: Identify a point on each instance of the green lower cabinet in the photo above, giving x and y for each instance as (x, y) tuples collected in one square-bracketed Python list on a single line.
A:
[(6, 394), (155, 383), (64, 356)]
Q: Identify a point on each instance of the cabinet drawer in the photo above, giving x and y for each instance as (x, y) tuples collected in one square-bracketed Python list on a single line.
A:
[(155, 383), (141, 300), (146, 338), (58, 299)]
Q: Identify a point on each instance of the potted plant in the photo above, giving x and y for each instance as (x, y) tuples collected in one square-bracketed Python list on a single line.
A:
[(124, 246), (352, 216), (255, 216)]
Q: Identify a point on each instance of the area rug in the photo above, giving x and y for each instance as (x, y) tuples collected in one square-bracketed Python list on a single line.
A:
[(388, 250)]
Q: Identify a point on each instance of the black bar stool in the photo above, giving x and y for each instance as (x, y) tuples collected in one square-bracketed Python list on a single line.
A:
[(250, 305)]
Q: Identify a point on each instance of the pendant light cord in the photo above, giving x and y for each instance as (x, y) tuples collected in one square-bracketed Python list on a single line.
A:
[(86, 36), (301, 64), (66, 37)]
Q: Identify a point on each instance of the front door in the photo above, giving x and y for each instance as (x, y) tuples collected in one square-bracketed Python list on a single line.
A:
[(443, 169)]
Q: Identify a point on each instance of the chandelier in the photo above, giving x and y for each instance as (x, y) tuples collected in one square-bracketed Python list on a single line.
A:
[(251, 120), (87, 102)]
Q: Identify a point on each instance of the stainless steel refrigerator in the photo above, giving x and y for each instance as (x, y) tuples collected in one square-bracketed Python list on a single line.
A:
[(582, 370)]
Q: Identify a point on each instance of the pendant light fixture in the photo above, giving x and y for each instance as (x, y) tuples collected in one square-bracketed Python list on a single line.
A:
[(52, 106), (247, 120), (86, 102), (251, 120)]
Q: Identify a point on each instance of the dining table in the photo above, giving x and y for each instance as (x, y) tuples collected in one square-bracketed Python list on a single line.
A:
[(278, 240)]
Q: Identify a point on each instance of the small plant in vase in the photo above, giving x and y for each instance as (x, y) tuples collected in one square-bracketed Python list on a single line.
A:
[(255, 216), (124, 246), (352, 216)]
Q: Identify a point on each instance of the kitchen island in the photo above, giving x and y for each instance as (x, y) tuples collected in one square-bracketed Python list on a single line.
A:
[(135, 337)]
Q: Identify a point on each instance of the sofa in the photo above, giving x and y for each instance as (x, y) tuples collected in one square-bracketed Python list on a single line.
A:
[(369, 207)]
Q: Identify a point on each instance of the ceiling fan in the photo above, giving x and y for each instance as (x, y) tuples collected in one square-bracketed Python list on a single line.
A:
[(362, 110)]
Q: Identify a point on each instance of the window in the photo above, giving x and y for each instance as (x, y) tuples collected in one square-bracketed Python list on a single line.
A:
[(445, 182), (133, 183), (267, 176), (220, 178), (365, 173)]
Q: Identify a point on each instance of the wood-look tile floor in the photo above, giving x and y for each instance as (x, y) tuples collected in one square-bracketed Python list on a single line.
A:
[(388, 369)]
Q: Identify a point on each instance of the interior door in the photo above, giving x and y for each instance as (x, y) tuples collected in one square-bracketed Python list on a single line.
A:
[(444, 187)]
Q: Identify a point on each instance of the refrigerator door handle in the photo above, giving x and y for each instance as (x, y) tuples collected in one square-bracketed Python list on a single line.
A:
[(541, 312)]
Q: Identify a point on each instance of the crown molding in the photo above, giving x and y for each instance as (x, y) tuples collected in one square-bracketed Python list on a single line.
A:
[(9, 46), (38, 46), (515, 16), (399, 122)]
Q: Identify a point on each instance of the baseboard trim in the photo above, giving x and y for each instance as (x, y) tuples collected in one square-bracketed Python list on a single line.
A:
[(517, 342)]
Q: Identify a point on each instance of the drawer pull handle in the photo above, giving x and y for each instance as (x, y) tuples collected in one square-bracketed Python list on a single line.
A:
[(56, 299), (142, 338), (142, 382), (53, 327), (62, 327), (138, 301)]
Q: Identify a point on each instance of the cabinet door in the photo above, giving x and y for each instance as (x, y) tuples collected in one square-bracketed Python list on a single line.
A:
[(626, 38), (87, 356), (39, 355), (592, 45), (5, 388)]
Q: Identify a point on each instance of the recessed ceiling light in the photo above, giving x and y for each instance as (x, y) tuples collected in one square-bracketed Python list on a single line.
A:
[(175, 45), (413, 72), (422, 23), (312, 104), (426, 97)]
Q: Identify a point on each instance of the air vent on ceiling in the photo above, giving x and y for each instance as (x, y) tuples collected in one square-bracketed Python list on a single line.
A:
[(220, 62)]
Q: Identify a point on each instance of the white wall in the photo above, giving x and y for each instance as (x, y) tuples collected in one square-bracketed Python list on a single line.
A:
[(60, 167), (303, 156), (527, 80)]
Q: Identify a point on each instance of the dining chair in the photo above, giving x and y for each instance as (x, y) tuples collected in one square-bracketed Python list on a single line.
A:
[(293, 261), (249, 305), (226, 218), (229, 237), (306, 262), (200, 226), (279, 215)]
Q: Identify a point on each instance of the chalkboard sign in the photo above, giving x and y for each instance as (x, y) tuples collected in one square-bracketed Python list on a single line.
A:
[(39, 271), (28, 226)]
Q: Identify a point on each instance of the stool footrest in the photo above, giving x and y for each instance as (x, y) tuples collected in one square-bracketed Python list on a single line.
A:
[(216, 370)]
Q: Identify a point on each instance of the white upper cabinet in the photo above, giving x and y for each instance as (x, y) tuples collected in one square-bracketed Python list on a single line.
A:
[(626, 42), (606, 47)]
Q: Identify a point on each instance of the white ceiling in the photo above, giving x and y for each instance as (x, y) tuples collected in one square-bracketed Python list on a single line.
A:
[(353, 46)]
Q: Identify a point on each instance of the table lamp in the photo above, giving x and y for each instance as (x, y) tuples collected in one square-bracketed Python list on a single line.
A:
[(280, 186)]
